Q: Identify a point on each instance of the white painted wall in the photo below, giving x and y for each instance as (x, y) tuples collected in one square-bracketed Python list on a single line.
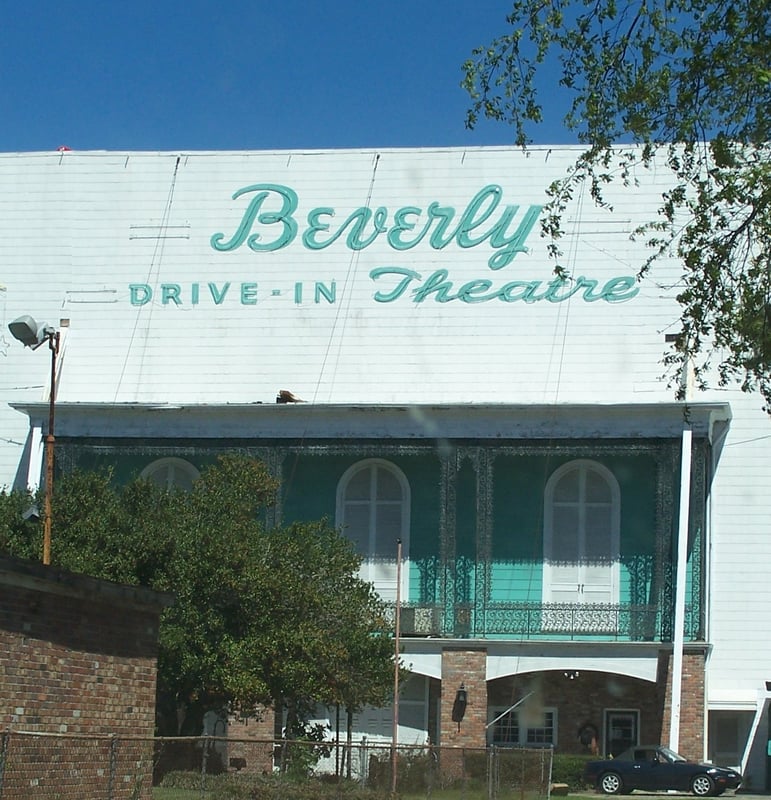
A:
[(77, 228)]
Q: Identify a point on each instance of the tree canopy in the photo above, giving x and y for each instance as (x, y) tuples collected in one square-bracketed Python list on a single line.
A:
[(262, 615), (683, 81)]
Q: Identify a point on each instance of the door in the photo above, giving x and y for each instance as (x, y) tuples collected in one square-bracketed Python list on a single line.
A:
[(581, 546), (621, 731)]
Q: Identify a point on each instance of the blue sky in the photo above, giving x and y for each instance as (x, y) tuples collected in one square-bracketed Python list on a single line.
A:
[(201, 75)]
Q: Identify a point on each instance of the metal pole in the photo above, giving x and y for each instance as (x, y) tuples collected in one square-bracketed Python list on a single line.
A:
[(53, 346), (678, 636), (397, 633), (680, 578)]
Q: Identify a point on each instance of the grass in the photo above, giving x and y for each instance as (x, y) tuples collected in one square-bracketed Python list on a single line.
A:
[(161, 793)]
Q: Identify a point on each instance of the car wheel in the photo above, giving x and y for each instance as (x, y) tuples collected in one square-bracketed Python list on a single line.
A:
[(702, 786), (611, 783)]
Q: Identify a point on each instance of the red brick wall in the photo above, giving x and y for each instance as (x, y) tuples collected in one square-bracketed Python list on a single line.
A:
[(78, 658), (692, 705), (465, 666), (250, 740), (71, 665), (582, 701)]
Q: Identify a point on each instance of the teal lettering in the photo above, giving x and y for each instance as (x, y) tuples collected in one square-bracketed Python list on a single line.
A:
[(357, 221), (401, 224), (329, 293), (440, 238), (218, 295), (354, 240), (551, 290), (170, 292), (437, 284), (616, 290), (315, 225), (248, 294), (467, 292), (362, 227), (298, 293), (388, 297), (282, 217), (621, 289), (468, 222), (195, 293), (508, 247), (588, 285), (551, 294), (139, 294), (527, 293)]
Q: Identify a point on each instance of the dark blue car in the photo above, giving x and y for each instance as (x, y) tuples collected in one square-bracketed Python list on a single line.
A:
[(654, 768)]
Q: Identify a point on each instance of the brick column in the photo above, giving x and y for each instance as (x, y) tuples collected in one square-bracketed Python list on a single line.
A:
[(467, 666), (251, 741), (692, 703)]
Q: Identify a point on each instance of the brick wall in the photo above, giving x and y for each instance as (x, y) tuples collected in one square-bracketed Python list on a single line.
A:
[(465, 666), (582, 701), (78, 656), (243, 734), (693, 701)]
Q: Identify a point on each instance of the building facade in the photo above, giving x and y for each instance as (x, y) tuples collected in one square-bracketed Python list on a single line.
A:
[(584, 558)]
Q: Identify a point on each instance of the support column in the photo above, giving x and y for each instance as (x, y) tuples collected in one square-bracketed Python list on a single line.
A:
[(466, 666), (693, 706)]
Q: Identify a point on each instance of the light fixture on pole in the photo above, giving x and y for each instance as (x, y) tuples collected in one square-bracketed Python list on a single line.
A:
[(32, 335)]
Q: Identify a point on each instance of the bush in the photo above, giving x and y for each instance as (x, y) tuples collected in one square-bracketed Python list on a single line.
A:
[(236, 786), (569, 769)]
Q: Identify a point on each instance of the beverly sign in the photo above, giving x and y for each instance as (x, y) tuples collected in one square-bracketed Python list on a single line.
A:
[(270, 223)]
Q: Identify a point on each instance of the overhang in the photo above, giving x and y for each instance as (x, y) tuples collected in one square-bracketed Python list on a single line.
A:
[(382, 421)]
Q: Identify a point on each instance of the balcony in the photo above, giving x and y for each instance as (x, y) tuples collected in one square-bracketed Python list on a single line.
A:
[(538, 621)]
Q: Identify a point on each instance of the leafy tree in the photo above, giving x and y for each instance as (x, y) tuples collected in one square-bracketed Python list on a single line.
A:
[(686, 82), (262, 616), (20, 531)]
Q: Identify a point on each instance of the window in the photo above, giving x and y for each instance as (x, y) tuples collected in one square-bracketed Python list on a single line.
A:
[(581, 534), (171, 473), (377, 723), (622, 729), (515, 729), (373, 501)]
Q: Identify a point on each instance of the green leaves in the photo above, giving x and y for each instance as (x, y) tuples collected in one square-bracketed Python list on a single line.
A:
[(261, 615), (656, 80)]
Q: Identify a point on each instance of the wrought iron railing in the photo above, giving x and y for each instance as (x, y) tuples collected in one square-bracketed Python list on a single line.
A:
[(531, 620)]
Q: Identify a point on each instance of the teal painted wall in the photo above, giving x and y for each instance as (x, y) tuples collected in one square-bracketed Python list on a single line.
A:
[(309, 488), (128, 466), (309, 491), (518, 518)]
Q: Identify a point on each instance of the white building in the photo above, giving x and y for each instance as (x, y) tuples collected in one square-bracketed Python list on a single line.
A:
[(514, 431)]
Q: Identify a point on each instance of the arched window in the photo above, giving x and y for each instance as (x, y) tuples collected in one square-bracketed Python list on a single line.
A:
[(171, 473), (373, 509), (581, 534)]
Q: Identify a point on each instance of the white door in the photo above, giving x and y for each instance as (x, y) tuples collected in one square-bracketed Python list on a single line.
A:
[(581, 533)]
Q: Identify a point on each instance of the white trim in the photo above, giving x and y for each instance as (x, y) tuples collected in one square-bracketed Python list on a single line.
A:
[(496, 713), (404, 535), (174, 465), (680, 589), (584, 465), (642, 667), (36, 453)]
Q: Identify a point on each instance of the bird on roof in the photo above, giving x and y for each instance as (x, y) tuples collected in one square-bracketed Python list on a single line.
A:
[(285, 396)]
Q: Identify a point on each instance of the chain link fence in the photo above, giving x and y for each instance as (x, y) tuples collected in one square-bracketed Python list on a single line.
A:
[(62, 767)]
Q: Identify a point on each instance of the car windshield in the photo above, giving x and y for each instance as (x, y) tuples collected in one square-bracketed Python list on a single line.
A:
[(671, 755)]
